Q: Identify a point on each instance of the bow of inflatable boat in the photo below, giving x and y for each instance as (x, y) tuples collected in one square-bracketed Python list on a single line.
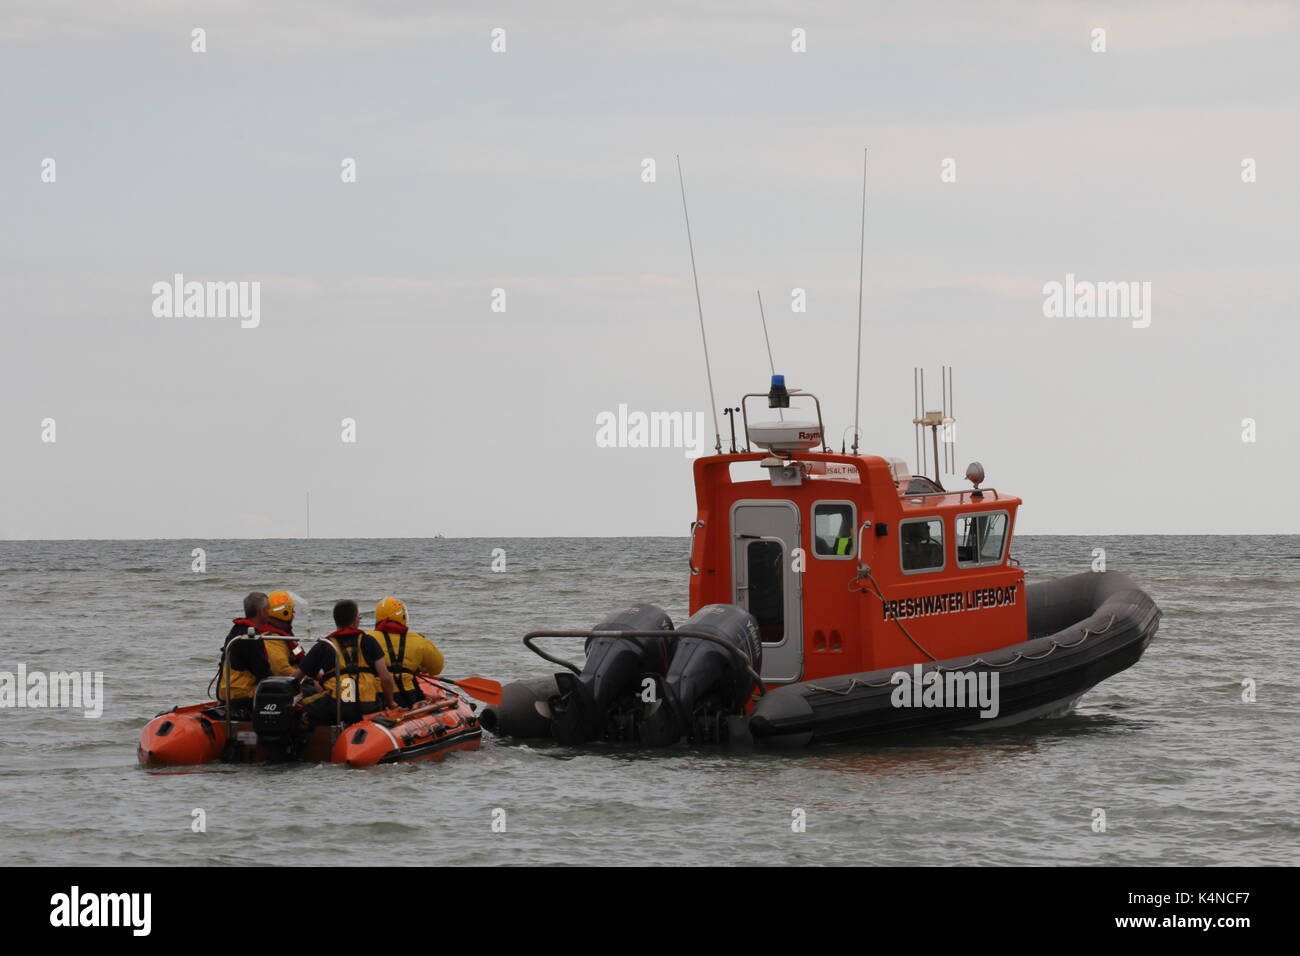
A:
[(444, 723)]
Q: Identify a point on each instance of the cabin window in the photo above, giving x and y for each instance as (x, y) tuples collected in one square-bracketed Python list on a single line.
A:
[(765, 578), (921, 545), (834, 529), (981, 538)]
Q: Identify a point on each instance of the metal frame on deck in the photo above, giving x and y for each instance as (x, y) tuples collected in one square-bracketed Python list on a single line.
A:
[(736, 652), (335, 730)]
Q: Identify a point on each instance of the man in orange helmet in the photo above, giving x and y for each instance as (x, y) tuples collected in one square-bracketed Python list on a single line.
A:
[(407, 652), (282, 655)]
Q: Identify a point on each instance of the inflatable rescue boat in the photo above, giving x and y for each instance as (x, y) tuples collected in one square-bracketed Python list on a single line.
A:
[(443, 722), (836, 597)]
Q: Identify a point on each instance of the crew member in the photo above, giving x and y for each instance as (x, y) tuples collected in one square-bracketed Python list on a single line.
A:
[(408, 653), (250, 661), (350, 666), (282, 655)]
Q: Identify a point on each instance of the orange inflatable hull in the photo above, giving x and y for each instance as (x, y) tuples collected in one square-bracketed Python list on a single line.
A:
[(442, 723)]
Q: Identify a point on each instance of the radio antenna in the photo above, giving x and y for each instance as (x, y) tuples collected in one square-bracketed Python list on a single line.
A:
[(925, 461), (862, 258), (934, 419), (950, 433), (770, 363), (916, 416), (708, 371)]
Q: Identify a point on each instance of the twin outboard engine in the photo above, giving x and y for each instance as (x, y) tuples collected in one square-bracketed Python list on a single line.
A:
[(275, 720), (620, 687), (655, 688), (708, 686)]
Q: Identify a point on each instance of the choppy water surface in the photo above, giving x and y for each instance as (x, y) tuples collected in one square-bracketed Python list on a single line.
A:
[(1186, 772)]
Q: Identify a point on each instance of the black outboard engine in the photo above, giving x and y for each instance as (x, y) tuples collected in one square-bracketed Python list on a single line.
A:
[(707, 684), (621, 682), (275, 720)]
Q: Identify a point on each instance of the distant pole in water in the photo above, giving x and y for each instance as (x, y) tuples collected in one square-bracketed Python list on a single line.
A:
[(862, 259), (708, 371), (308, 534)]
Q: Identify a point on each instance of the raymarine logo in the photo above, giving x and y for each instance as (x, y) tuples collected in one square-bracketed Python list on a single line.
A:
[(208, 300), (35, 689), (956, 689), (102, 909)]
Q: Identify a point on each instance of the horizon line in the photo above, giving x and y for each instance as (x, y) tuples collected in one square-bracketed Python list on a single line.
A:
[(611, 537)]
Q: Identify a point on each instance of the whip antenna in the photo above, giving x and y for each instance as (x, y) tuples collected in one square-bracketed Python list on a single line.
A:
[(708, 371), (862, 258), (770, 364), (916, 416), (761, 315)]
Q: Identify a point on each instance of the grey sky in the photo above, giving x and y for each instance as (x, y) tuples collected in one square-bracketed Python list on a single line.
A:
[(522, 171)]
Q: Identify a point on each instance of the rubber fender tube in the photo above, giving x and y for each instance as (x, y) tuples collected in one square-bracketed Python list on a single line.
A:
[(780, 712), (517, 714)]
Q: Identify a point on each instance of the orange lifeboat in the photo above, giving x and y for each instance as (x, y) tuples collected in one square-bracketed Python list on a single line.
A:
[(834, 598)]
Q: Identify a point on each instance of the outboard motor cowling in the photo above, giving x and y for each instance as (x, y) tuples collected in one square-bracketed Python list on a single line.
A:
[(706, 683), (275, 720), (608, 699)]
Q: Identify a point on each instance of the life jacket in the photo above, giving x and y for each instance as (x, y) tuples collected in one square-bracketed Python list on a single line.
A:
[(283, 656), (244, 682), (355, 668), (401, 663)]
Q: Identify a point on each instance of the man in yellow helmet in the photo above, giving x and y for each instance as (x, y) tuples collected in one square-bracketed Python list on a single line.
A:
[(282, 655), (271, 617), (407, 652), (350, 666)]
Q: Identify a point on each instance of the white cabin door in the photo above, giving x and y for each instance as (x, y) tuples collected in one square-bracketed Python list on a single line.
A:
[(764, 537)]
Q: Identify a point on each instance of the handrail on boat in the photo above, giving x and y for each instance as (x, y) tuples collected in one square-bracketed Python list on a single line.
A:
[(796, 393), (961, 494), (861, 528), (736, 652), (225, 665), (690, 554)]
